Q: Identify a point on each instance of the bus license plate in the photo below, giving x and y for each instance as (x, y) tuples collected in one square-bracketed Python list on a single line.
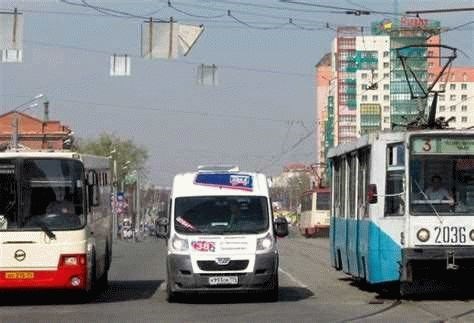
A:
[(224, 280), (19, 275)]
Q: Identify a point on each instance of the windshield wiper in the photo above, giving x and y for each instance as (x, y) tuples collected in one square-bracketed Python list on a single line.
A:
[(48, 231), (427, 199)]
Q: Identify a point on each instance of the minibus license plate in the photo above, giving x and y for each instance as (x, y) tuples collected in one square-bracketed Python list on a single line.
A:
[(19, 275), (224, 280)]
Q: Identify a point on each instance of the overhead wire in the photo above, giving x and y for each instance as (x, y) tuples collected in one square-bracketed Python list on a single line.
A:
[(204, 114), (300, 141), (344, 10), (278, 26), (107, 11), (186, 13), (188, 62), (263, 6)]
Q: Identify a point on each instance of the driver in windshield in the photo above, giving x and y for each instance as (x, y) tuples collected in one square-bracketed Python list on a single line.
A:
[(62, 205), (436, 191), (234, 213)]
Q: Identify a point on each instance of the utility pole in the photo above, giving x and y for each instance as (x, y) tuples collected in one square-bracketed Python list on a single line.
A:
[(15, 131), (138, 204)]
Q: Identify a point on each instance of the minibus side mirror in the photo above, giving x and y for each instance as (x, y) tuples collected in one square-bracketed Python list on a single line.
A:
[(372, 193), (280, 225), (162, 227)]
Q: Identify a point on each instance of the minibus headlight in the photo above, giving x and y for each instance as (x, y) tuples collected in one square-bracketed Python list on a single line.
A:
[(471, 235), (179, 244), (265, 243), (423, 235)]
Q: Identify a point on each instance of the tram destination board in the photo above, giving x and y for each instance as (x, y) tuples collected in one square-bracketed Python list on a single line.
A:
[(443, 145)]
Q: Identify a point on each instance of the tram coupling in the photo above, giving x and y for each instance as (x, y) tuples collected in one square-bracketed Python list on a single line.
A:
[(451, 261)]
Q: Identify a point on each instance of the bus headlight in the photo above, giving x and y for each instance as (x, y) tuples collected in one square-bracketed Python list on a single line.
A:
[(265, 243), (471, 235), (179, 244), (423, 235)]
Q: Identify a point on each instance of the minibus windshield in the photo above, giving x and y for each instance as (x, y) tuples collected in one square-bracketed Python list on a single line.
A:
[(221, 214)]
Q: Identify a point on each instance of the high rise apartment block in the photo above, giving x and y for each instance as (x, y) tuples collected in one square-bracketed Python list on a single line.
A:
[(366, 89)]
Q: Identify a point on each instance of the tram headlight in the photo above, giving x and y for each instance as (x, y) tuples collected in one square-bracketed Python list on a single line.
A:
[(471, 235), (423, 235)]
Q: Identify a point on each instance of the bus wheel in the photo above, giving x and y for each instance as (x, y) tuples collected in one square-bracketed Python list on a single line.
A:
[(103, 282)]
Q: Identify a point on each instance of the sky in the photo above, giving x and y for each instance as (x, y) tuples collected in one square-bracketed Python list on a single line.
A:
[(261, 114)]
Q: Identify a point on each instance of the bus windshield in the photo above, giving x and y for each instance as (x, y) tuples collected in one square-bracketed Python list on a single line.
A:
[(51, 194), (442, 184), (221, 214)]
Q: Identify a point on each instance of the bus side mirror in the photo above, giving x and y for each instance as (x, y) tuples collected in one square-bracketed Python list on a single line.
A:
[(162, 228), (281, 227), (372, 193)]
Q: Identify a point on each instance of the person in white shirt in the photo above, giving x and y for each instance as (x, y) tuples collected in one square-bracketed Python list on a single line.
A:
[(436, 191)]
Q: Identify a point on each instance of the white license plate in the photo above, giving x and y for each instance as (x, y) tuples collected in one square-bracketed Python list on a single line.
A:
[(224, 280)]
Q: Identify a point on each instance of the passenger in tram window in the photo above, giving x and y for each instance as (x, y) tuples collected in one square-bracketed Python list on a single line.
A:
[(436, 191)]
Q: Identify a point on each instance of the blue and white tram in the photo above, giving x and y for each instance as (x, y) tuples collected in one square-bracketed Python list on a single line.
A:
[(387, 225)]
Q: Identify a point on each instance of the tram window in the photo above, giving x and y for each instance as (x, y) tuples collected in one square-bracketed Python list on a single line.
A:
[(363, 181), (337, 188), (322, 201), (342, 189), (395, 181), (306, 202), (352, 185), (454, 192)]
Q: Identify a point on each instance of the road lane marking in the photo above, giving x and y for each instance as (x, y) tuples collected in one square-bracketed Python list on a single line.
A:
[(291, 277)]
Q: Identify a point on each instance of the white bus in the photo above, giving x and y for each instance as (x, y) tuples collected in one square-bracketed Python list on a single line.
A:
[(221, 236), (55, 220)]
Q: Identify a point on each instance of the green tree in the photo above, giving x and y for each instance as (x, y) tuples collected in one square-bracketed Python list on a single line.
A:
[(297, 185), (125, 150)]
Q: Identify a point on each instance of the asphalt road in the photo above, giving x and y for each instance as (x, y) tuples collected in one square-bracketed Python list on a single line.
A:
[(310, 291)]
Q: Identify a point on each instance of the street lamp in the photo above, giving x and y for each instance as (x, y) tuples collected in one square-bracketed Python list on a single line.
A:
[(113, 155), (125, 166), (30, 104)]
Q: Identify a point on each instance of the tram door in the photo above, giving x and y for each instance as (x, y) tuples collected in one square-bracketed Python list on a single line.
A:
[(352, 223)]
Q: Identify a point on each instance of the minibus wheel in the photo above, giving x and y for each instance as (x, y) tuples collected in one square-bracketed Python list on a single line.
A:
[(271, 295)]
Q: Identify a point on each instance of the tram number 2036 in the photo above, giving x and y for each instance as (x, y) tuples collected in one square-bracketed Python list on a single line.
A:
[(450, 234)]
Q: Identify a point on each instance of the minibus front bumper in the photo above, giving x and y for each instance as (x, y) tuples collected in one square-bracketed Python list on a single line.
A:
[(182, 278)]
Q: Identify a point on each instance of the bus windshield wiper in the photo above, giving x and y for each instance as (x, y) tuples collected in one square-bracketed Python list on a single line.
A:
[(48, 231)]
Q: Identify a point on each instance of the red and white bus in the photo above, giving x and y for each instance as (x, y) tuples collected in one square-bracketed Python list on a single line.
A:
[(55, 220), (314, 216)]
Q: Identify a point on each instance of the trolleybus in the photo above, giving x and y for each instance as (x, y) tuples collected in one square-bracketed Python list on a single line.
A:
[(386, 223), (55, 220)]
